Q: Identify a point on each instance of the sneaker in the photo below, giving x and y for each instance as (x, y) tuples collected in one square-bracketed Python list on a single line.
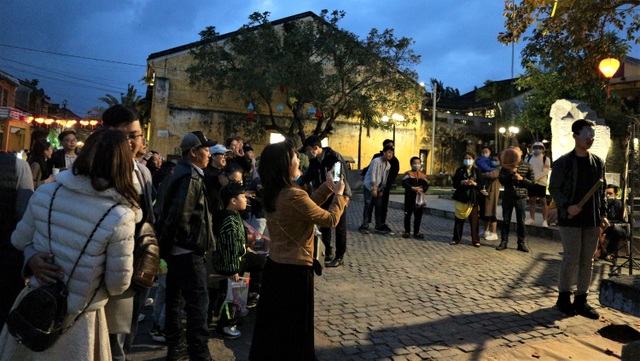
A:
[(254, 297), (364, 230), (386, 228), (381, 230), (230, 333), (406, 235), (158, 335), (490, 236), (530, 222), (544, 224), (418, 236)]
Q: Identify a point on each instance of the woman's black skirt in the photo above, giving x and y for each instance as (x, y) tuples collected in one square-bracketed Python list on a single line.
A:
[(284, 320)]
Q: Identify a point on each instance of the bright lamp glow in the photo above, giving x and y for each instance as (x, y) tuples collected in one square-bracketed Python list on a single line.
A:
[(609, 66)]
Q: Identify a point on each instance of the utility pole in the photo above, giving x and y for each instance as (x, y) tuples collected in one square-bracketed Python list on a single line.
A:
[(434, 92)]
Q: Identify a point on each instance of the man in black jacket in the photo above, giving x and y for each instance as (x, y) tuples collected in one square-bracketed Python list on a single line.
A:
[(391, 178), (185, 236), (321, 161), (617, 230)]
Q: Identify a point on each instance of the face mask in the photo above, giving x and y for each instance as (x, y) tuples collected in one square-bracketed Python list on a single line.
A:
[(610, 198), (468, 162), (537, 152), (415, 166), (486, 155), (495, 163)]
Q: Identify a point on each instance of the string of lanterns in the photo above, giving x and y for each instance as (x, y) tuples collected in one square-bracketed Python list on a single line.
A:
[(66, 123)]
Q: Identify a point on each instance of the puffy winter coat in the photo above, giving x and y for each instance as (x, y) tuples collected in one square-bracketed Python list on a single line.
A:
[(106, 263)]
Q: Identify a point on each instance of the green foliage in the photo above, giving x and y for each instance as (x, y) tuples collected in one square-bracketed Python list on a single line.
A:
[(309, 62), (130, 98), (563, 51)]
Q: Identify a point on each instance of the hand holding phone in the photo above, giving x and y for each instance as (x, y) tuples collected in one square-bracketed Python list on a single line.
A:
[(337, 172)]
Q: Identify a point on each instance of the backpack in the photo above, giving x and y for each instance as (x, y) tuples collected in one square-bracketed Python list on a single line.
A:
[(146, 255), (37, 320)]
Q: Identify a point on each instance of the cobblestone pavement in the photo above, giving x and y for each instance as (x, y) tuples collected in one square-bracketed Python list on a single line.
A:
[(409, 299)]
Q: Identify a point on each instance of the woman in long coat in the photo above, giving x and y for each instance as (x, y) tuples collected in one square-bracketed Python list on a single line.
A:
[(491, 203)]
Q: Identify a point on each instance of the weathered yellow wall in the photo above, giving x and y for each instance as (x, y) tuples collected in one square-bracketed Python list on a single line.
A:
[(179, 107)]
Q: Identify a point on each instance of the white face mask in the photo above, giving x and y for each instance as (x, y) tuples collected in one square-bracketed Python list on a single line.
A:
[(415, 166)]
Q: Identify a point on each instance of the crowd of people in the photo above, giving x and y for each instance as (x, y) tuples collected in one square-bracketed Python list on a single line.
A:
[(220, 212)]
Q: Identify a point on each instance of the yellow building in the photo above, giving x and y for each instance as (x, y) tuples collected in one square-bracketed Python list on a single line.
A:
[(179, 107)]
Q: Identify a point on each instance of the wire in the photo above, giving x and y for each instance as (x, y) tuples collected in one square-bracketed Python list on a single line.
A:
[(72, 56)]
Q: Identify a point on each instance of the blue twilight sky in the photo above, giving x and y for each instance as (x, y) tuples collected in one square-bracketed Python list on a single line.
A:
[(456, 39)]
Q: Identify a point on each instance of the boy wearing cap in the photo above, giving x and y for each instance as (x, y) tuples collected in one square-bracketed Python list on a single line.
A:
[(538, 191), (185, 236)]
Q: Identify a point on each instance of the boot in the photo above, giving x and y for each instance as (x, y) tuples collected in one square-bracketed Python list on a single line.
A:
[(564, 304), (523, 247), (502, 246), (582, 308)]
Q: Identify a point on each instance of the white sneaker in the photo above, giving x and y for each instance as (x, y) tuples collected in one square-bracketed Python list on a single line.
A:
[(544, 224), (491, 236), (530, 221)]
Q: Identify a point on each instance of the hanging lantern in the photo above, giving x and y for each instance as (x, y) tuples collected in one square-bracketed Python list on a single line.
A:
[(292, 100), (312, 110), (609, 67), (250, 107), (84, 123), (251, 116), (318, 113), (283, 89), (71, 123), (39, 120), (93, 122), (280, 108)]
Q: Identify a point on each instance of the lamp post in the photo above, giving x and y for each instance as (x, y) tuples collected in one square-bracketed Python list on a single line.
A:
[(434, 94), (395, 117), (508, 134)]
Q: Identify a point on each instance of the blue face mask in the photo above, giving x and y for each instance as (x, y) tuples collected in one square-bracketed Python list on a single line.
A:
[(468, 162), (537, 152), (495, 163)]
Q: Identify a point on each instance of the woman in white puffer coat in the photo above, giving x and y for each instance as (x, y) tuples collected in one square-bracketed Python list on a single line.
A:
[(100, 178)]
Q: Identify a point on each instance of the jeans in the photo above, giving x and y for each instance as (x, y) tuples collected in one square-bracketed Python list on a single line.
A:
[(579, 244), (159, 301), (187, 279), (508, 203), (384, 209), (371, 202), (416, 222), (341, 237)]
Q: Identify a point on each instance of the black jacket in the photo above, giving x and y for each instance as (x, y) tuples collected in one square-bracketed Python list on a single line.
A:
[(410, 180), (517, 188), (317, 172), (466, 193), (563, 184), (185, 220)]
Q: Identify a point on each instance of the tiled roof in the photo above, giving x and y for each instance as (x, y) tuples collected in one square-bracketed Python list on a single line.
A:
[(470, 101)]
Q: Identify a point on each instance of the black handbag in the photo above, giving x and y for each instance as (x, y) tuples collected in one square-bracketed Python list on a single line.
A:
[(37, 320)]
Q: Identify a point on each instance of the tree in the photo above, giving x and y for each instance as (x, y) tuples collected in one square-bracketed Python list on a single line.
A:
[(565, 43), (308, 63), (130, 98)]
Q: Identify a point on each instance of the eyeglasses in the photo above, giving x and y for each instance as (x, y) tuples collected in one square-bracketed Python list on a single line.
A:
[(134, 136)]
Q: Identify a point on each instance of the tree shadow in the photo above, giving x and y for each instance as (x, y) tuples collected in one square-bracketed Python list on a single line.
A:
[(471, 334)]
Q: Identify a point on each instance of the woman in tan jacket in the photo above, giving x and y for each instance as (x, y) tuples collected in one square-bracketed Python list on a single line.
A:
[(284, 322)]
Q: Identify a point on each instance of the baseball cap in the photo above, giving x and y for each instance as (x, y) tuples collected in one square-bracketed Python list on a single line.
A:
[(195, 140), (538, 144), (218, 149)]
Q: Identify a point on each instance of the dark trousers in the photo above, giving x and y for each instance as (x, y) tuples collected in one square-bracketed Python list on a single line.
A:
[(370, 203), (508, 204), (384, 207), (226, 314), (614, 235), (416, 222), (341, 237), (187, 279), (458, 227), (254, 264)]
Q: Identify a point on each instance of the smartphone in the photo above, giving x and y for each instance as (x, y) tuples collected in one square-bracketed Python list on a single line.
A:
[(337, 171)]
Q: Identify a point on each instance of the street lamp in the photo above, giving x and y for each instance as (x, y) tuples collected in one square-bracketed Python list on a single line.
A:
[(434, 94), (395, 117), (508, 134)]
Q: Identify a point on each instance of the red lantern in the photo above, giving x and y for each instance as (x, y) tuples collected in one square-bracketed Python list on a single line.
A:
[(283, 89), (251, 116), (318, 114)]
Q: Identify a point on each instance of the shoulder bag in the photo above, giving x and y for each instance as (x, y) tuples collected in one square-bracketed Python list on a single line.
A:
[(318, 251), (37, 320)]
